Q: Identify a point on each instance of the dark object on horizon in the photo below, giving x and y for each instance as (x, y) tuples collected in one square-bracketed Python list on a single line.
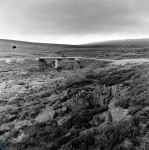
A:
[(14, 47)]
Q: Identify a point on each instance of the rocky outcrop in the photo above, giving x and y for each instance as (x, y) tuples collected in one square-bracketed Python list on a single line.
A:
[(118, 90), (102, 94), (118, 114)]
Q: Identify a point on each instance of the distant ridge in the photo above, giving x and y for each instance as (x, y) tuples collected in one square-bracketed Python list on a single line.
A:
[(33, 43), (136, 43)]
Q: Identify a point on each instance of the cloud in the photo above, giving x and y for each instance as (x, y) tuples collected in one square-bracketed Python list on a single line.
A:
[(74, 17)]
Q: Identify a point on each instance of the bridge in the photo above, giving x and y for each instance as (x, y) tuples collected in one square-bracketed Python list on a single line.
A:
[(76, 59), (59, 59)]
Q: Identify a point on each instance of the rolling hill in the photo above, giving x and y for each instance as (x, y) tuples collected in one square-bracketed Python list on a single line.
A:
[(12, 48), (136, 43)]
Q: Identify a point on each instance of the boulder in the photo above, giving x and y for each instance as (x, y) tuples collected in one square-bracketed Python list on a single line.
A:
[(46, 115), (52, 114), (126, 144), (118, 114), (61, 121), (64, 110)]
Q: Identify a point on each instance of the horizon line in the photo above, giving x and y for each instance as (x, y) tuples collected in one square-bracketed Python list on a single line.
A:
[(102, 41)]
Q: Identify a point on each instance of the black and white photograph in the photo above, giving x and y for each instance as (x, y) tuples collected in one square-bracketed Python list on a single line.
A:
[(74, 75)]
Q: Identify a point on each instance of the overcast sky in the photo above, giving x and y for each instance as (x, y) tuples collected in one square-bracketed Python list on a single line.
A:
[(73, 21)]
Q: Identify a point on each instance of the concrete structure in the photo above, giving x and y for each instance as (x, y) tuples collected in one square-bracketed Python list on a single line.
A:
[(59, 59), (57, 62), (42, 63), (77, 59)]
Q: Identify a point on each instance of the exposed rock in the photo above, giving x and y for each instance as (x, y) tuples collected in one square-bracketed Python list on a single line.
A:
[(118, 90), (61, 121), (98, 119), (46, 115), (64, 110), (103, 125), (118, 114), (102, 95), (21, 124), (52, 114), (126, 143), (108, 117), (96, 96), (127, 118)]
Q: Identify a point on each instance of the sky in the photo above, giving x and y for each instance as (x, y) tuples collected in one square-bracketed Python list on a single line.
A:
[(73, 21)]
